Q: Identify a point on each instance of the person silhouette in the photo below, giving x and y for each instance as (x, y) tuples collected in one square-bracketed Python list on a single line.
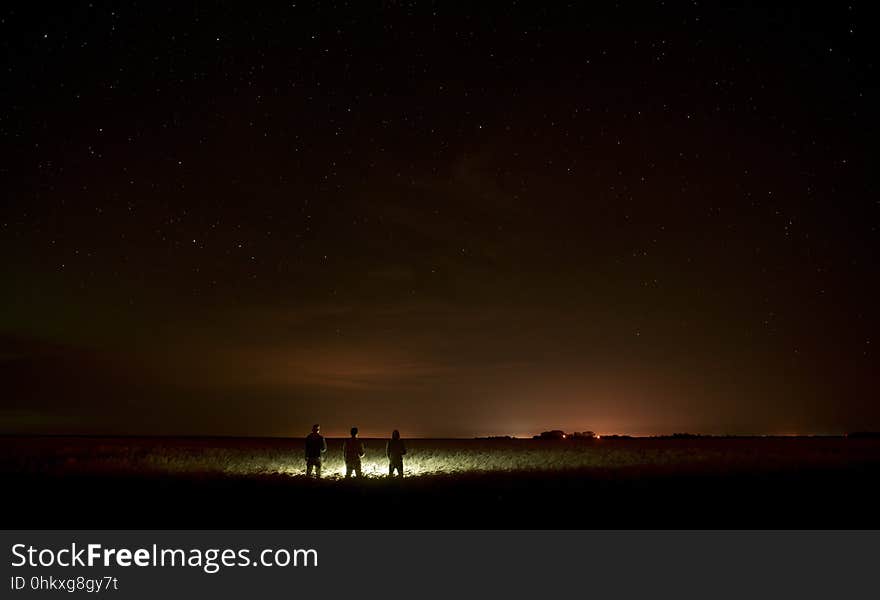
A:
[(395, 450), (353, 450), (316, 447)]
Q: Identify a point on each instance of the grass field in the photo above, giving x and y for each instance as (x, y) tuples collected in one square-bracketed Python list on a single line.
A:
[(253, 482), (255, 456)]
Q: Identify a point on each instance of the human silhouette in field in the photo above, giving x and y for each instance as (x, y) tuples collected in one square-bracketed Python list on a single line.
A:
[(353, 450), (395, 450), (316, 447)]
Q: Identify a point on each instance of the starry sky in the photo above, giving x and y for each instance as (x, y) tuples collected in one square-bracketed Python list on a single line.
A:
[(632, 218)]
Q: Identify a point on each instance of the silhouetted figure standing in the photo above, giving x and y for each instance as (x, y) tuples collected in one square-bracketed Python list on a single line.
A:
[(353, 450), (316, 447), (395, 450)]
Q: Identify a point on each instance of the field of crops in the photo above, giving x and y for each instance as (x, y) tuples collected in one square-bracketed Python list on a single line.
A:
[(255, 456), (76, 482)]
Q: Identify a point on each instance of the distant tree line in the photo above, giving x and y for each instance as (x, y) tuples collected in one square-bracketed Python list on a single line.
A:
[(558, 434)]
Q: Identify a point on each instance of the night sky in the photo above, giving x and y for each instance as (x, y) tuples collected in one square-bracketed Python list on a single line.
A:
[(636, 219)]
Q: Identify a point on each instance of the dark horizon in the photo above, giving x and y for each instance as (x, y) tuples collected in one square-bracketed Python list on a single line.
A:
[(489, 437), (452, 221)]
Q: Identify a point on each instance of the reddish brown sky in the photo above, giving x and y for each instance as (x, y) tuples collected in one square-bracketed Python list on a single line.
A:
[(451, 223)]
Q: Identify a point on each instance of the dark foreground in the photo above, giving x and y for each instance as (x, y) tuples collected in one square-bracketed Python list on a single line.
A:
[(830, 483)]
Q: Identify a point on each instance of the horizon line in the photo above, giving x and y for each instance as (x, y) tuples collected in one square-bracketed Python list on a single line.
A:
[(420, 437)]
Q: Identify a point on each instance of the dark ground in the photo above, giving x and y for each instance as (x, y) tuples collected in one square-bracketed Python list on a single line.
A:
[(836, 494), (807, 499)]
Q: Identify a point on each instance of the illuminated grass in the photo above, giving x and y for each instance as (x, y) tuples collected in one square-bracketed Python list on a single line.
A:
[(246, 457)]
